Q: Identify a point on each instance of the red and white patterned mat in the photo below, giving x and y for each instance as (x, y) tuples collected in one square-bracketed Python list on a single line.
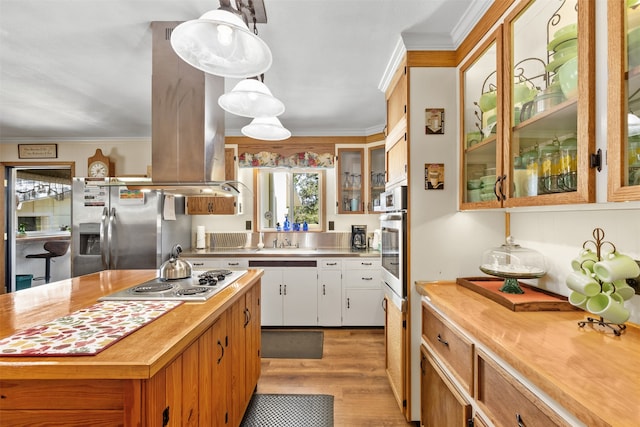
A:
[(85, 332)]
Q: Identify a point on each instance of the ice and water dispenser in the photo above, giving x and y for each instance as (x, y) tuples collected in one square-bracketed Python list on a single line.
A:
[(89, 238)]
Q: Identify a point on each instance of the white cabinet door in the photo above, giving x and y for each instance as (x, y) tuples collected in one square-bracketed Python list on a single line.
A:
[(329, 297), (300, 296), (272, 297), (363, 307)]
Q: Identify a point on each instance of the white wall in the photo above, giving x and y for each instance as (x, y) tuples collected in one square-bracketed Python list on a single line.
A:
[(131, 157)]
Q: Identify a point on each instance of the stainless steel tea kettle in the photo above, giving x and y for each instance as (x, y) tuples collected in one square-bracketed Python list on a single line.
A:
[(175, 268)]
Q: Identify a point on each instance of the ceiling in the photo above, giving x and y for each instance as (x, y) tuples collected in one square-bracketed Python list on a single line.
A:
[(81, 70)]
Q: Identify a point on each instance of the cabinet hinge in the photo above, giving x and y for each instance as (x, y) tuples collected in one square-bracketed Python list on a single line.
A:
[(404, 403), (595, 160), (405, 109), (404, 324), (470, 422), (405, 70)]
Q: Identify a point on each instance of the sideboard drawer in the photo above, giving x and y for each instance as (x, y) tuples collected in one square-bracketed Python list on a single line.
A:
[(506, 401), (455, 350)]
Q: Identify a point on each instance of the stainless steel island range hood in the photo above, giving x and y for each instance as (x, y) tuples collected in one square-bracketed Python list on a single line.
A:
[(187, 139)]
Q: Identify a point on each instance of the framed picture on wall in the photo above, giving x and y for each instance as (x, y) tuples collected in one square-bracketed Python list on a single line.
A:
[(434, 176), (434, 121)]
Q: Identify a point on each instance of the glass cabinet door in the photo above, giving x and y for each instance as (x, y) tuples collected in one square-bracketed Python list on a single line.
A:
[(376, 175), (549, 93), (481, 88), (624, 101), (350, 180)]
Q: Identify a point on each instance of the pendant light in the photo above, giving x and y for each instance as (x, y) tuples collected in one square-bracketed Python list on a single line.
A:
[(220, 43), (266, 128), (251, 98)]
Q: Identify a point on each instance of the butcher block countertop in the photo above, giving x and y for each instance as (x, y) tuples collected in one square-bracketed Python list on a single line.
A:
[(137, 356), (592, 373)]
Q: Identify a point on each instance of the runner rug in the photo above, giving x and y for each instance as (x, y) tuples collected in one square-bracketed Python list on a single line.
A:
[(85, 332), (285, 344), (289, 410)]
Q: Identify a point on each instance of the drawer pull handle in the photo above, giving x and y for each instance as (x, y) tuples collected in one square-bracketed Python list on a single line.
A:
[(444, 342), (519, 420), (221, 352), (332, 263), (366, 263), (198, 264), (230, 264), (367, 278)]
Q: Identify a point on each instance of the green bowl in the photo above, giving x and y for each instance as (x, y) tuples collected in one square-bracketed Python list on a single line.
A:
[(474, 184), (488, 101), (568, 74)]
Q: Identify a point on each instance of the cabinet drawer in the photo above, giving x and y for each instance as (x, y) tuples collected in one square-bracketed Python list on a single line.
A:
[(362, 279), (508, 402), (362, 264), (453, 348), (203, 263), (234, 263), (331, 264)]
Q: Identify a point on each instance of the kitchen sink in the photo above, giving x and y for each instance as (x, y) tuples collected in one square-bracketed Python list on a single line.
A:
[(288, 249)]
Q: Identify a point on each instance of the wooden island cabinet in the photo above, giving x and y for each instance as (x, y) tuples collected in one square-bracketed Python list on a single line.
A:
[(196, 365)]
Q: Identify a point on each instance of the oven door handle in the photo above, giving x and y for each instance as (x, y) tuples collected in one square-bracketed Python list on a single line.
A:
[(391, 217)]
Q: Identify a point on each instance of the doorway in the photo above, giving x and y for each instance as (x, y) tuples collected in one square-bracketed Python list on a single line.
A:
[(37, 210)]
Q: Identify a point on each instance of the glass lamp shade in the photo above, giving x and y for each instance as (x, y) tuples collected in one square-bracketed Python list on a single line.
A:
[(220, 43), (251, 98), (266, 128)]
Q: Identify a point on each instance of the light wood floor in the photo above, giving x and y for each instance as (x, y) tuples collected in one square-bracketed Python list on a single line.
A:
[(352, 370)]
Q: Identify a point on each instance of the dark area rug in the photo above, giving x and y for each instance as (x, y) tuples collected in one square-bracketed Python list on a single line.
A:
[(289, 410), (281, 344)]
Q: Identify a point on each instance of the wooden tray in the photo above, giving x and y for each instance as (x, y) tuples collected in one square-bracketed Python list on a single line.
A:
[(533, 299)]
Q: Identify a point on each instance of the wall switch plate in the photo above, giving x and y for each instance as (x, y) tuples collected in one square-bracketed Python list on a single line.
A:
[(247, 225), (331, 226)]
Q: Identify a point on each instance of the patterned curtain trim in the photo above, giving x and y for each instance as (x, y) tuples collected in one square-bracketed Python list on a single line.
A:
[(298, 160)]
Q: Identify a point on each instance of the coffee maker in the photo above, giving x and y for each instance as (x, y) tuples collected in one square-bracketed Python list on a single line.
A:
[(359, 237)]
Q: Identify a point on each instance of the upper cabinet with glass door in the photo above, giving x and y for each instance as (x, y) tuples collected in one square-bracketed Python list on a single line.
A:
[(549, 95), (350, 177), (624, 101), (481, 160)]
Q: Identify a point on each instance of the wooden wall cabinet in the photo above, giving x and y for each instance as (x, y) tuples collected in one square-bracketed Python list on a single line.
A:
[(351, 180), (376, 175), (217, 205), (623, 137), (544, 146), (396, 145)]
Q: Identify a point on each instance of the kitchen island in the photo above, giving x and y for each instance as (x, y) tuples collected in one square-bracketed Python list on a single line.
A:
[(197, 364)]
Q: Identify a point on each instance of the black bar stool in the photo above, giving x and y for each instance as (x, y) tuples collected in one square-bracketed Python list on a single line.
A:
[(54, 248)]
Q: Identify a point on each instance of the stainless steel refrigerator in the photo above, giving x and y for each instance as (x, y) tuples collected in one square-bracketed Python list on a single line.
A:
[(115, 228)]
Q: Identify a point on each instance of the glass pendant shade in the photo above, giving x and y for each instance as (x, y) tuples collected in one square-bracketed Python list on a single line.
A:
[(220, 43), (266, 128), (251, 98)]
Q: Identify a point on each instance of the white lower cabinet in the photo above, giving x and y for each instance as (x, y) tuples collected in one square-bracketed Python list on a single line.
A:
[(330, 292), (303, 291), (289, 296), (362, 293)]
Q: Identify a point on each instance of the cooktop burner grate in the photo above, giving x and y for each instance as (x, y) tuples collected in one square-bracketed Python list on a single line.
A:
[(196, 290), (155, 287), (216, 273)]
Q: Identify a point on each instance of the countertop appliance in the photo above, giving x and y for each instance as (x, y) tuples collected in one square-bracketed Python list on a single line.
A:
[(393, 227), (359, 237), (200, 286), (117, 228)]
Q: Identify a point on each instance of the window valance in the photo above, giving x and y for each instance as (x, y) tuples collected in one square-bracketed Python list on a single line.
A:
[(306, 159)]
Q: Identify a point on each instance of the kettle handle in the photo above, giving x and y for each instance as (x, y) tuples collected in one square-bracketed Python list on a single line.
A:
[(175, 251)]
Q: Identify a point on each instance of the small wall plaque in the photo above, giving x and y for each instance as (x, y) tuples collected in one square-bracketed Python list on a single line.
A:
[(434, 121), (38, 151)]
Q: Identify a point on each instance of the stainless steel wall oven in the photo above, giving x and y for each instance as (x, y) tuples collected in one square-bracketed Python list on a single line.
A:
[(393, 225)]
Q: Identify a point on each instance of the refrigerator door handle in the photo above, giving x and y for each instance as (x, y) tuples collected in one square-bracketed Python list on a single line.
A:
[(111, 243), (104, 254)]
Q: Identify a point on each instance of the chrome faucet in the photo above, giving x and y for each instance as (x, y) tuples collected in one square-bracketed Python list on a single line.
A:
[(275, 243)]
